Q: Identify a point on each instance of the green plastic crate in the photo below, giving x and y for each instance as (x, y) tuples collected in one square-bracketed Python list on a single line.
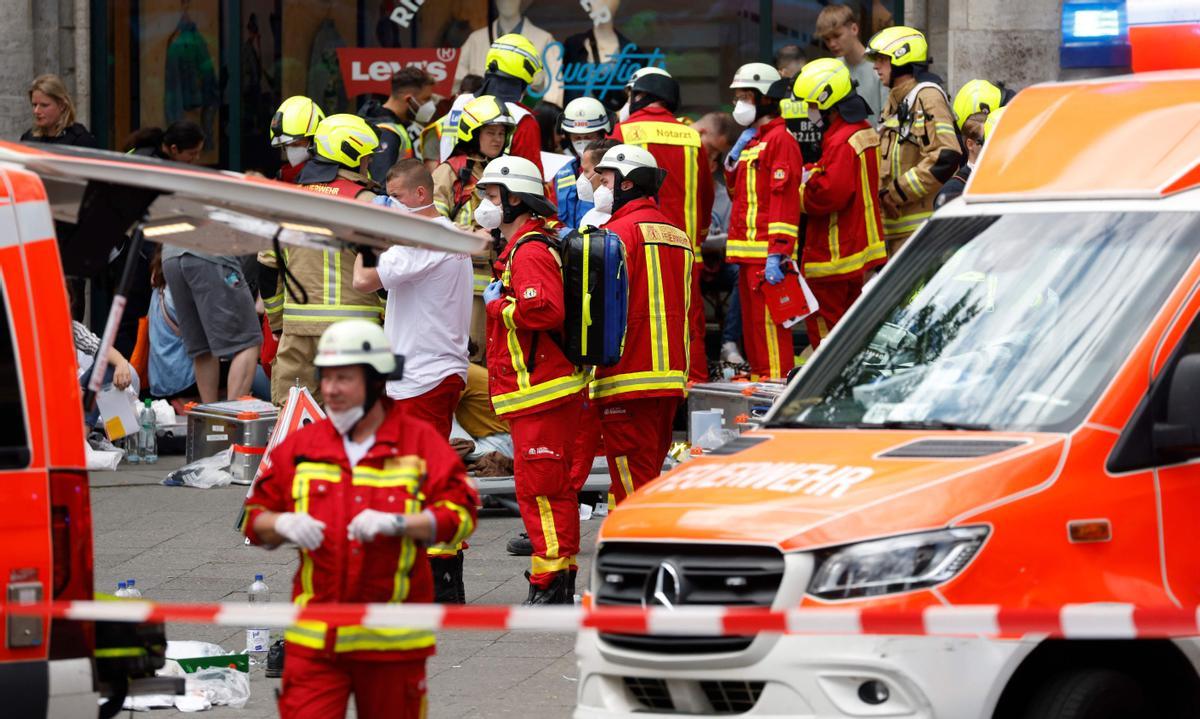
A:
[(241, 662)]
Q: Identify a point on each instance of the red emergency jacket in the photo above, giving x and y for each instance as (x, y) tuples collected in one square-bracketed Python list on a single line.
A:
[(410, 469), (527, 138), (845, 230), (290, 174), (686, 197), (527, 371), (659, 258), (764, 187)]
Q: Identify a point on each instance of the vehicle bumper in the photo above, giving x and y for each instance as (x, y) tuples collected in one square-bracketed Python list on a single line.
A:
[(803, 676)]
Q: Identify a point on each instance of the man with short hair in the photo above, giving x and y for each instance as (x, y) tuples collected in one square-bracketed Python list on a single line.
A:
[(837, 27), (587, 168), (410, 101)]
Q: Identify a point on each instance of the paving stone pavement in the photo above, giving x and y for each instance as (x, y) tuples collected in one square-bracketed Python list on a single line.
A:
[(180, 546)]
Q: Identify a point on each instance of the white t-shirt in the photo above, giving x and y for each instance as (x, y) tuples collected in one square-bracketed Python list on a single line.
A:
[(595, 218), (428, 316), (355, 451)]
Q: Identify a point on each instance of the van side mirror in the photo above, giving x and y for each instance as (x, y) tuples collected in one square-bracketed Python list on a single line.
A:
[(1179, 435)]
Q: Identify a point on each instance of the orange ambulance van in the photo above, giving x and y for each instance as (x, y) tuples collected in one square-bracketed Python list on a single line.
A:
[(1010, 416), (65, 209)]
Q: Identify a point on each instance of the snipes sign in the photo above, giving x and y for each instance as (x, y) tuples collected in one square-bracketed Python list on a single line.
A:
[(367, 70)]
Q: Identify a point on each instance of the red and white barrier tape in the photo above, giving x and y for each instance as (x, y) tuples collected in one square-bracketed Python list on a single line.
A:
[(1072, 621)]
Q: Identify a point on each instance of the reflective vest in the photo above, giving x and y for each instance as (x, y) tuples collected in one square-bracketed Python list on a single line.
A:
[(524, 141), (410, 469), (765, 189), (328, 278), (527, 371), (844, 233), (454, 189), (659, 259), (686, 196), (919, 152)]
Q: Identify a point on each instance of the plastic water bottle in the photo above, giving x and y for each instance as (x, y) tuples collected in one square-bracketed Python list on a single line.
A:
[(122, 591), (129, 443), (132, 591), (258, 640), (148, 437)]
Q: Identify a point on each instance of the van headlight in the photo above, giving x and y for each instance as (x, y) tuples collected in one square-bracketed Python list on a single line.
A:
[(895, 564)]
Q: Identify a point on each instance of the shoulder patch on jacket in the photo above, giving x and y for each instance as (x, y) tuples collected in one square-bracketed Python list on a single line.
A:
[(655, 233), (864, 140)]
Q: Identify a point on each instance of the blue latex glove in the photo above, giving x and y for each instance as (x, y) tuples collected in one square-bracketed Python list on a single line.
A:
[(491, 293), (743, 140), (385, 201), (774, 273)]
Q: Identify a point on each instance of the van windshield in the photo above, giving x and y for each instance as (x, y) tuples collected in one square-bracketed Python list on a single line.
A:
[(1015, 322)]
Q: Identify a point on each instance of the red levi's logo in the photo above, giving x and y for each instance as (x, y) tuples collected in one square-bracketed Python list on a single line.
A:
[(367, 70)]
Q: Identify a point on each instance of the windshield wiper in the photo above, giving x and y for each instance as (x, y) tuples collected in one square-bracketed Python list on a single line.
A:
[(925, 424)]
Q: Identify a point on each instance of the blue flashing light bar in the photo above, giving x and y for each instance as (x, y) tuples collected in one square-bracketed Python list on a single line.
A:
[(1095, 33)]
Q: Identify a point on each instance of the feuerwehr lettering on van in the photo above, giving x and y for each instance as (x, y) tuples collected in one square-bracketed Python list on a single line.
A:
[(788, 477)]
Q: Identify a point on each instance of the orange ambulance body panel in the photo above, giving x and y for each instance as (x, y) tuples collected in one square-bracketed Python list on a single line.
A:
[(1134, 137)]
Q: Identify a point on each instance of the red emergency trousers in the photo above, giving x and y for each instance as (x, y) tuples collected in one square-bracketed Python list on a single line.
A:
[(639, 395), (686, 198), (409, 469), (437, 405), (539, 392), (764, 187), (844, 233)]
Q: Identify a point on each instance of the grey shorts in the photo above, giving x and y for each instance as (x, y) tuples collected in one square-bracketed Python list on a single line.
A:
[(213, 306)]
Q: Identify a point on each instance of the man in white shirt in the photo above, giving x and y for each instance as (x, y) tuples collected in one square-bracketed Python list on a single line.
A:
[(428, 311)]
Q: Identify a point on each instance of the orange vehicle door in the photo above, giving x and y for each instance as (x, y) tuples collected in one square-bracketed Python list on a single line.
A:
[(25, 563)]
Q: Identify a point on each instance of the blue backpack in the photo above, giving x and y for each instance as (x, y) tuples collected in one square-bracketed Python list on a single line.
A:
[(596, 295)]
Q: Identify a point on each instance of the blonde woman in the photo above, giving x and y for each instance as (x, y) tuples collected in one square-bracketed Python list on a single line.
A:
[(54, 115)]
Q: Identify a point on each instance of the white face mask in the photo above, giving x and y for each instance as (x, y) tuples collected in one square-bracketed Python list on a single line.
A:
[(597, 10), (744, 113), (413, 210), (623, 113), (424, 113), (602, 198), (580, 146), (583, 188), (296, 154), (343, 422), (814, 116), (488, 215)]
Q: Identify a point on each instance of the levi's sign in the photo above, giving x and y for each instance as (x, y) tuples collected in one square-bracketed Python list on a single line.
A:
[(369, 70)]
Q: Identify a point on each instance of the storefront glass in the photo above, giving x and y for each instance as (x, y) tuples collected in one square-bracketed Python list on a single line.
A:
[(171, 59)]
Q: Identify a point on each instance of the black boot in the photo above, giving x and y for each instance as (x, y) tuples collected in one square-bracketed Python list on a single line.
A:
[(275, 660), (554, 593), (448, 587), (520, 546)]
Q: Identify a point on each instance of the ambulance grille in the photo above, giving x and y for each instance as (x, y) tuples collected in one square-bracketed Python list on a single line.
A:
[(645, 574), (950, 448)]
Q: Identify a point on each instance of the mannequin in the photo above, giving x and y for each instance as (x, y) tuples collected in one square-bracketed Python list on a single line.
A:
[(596, 47), (510, 18)]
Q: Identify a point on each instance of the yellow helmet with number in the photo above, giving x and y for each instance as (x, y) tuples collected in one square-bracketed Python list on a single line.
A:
[(482, 111), (515, 56), (296, 119), (823, 83), (345, 139), (976, 96), (902, 45)]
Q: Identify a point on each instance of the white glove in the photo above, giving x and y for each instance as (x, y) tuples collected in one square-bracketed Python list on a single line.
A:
[(370, 523), (301, 529)]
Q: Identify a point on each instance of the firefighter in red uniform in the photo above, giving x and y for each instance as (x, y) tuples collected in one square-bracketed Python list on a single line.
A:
[(763, 176), (533, 385), (639, 395), (686, 196), (361, 494), (844, 237)]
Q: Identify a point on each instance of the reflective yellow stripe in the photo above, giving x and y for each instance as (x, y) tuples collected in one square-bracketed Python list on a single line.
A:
[(905, 225), (442, 208), (659, 337), (745, 248), (752, 194), (583, 329), (691, 223), (516, 355), (783, 228), (396, 472), (835, 249), (355, 638), (307, 634), (843, 266), (539, 393), (876, 249), (638, 382), (538, 565), (274, 302), (623, 472), (331, 312), (465, 525), (688, 261), (915, 182), (549, 532), (944, 128), (444, 550), (120, 652), (772, 344), (408, 553)]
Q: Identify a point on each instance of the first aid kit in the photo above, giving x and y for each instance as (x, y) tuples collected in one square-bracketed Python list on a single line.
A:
[(244, 425), (790, 301)]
